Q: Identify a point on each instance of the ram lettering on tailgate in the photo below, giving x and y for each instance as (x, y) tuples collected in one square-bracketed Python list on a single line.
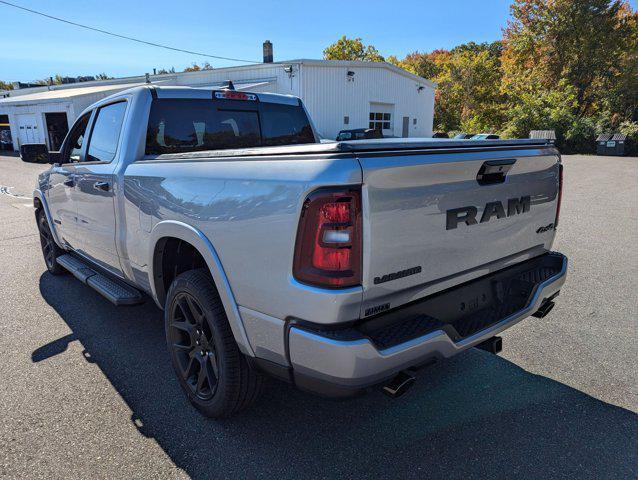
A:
[(467, 215)]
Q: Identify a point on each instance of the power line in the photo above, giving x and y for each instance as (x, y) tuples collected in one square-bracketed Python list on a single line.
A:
[(124, 36)]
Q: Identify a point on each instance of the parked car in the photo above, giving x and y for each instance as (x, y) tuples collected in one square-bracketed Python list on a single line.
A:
[(485, 136), (440, 135), (463, 136), (333, 266), (359, 134)]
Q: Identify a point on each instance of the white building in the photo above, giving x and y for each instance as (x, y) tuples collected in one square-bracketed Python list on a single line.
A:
[(338, 95)]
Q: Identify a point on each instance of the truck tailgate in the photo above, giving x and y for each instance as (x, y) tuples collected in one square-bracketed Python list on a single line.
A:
[(434, 218)]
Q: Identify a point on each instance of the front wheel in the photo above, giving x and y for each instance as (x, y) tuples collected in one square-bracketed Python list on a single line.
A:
[(50, 249), (209, 366)]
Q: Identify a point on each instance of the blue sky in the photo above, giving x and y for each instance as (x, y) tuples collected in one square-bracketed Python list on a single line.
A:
[(34, 47)]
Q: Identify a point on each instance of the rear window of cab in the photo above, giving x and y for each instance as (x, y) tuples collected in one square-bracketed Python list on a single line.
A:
[(179, 125)]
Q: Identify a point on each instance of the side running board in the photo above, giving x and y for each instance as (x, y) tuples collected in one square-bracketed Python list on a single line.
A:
[(119, 293)]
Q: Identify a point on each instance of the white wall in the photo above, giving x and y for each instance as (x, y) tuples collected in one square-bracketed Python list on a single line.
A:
[(329, 96)]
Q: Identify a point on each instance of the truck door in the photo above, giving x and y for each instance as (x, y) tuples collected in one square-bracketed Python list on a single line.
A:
[(62, 181), (95, 181)]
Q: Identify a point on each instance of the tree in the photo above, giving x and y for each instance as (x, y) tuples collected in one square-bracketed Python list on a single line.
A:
[(580, 41), (542, 109), (5, 86), (426, 65), (622, 96), (352, 49), (196, 68), (469, 94)]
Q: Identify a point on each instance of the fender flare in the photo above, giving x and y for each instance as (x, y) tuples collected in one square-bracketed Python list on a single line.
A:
[(38, 197), (187, 233)]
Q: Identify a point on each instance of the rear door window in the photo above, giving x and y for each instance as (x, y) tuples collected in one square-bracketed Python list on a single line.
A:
[(190, 125)]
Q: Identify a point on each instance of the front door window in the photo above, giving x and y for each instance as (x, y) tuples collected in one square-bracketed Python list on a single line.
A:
[(73, 147)]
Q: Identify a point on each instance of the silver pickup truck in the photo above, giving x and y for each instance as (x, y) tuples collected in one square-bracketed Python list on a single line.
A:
[(334, 266)]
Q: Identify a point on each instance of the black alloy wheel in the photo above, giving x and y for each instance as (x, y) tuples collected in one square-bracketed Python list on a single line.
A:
[(193, 345), (213, 373), (50, 249)]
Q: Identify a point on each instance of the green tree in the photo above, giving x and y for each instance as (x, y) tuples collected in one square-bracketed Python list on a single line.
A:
[(539, 108), (469, 96), (5, 85), (352, 49)]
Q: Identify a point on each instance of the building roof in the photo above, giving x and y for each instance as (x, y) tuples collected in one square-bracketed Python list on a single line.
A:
[(56, 93), (63, 94)]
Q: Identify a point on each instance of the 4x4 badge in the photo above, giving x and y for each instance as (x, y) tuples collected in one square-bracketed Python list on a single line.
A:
[(546, 228)]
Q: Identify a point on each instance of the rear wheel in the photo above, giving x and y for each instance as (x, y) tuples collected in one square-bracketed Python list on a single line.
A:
[(209, 366), (50, 249)]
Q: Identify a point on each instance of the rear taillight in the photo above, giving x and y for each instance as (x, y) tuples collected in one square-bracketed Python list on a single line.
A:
[(328, 248), (560, 193)]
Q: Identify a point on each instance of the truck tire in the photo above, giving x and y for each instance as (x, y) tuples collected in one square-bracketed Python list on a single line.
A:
[(209, 366), (50, 249)]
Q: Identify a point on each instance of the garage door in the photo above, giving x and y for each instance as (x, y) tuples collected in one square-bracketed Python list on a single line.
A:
[(381, 117), (28, 129)]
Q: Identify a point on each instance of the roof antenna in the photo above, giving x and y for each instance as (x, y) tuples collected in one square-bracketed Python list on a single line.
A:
[(229, 86)]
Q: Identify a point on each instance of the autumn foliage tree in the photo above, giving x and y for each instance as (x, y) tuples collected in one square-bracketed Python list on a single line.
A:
[(578, 55), (566, 65)]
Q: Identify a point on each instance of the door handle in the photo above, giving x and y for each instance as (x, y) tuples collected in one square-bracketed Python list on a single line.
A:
[(494, 171), (70, 181), (104, 186)]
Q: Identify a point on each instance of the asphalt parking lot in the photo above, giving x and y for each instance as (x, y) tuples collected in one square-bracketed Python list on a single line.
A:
[(87, 389)]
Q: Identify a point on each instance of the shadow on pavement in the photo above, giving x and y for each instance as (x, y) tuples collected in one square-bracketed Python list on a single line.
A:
[(476, 416)]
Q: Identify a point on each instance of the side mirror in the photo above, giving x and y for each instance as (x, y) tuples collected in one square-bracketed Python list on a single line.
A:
[(34, 153), (38, 153)]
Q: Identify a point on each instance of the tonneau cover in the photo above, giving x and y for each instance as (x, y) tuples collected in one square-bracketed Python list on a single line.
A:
[(372, 145)]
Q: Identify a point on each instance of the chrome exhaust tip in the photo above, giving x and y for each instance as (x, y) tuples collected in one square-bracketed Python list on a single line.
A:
[(399, 385)]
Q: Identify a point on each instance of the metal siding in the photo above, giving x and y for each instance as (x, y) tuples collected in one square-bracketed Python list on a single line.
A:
[(329, 97)]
